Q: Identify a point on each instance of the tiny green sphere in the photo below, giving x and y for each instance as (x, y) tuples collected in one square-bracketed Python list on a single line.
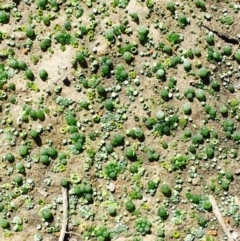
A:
[(44, 159), (227, 50), (203, 72), (12, 86), (42, 3), (1, 207), (62, 155), (4, 223), (200, 4), (64, 182), (70, 120), (171, 7), (84, 104), (134, 17), (187, 109), (112, 211), (130, 206), (164, 94), (22, 65), (46, 214), (67, 25), (45, 44), (78, 146), (101, 90), (4, 17), (20, 168), (88, 188), (133, 169), (23, 151), (209, 152), (202, 221), (237, 55), (88, 197), (109, 105), (192, 149), (79, 190), (207, 205), (109, 148), (162, 213), (32, 114), (129, 152), (231, 88), (223, 109), (43, 74), (51, 151), (29, 74), (142, 30), (118, 140), (80, 57), (160, 73), (30, 32), (10, 157), (40, 115), (13, 63), (109, 35), (229, 175), (182, 20), (225, 184), (187, 65), (127, 56), (166, 190), (215, 85), (18, 179), (34, 134), (152, 185), (138, 133), (210, 38), (187, 132), (46, 21)]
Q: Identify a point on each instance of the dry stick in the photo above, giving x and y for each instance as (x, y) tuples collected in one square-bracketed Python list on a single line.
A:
[(219, 217), (237, 201), (65, 214), (74, 233)]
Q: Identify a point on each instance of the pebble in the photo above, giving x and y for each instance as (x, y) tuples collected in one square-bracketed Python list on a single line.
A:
[(111, 187), (195, 181)]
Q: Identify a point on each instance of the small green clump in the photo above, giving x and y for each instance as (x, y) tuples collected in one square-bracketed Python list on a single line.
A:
[(118, 140), (142, 33), (120, 73), (111, 170), (102, 233), (143, 226)]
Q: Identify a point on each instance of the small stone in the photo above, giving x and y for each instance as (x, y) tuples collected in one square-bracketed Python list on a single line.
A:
[(195, 181), (111, 187), (237, 172)]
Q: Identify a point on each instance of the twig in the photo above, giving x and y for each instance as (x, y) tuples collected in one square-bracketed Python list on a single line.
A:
[(65, 214), (219, 217), (237, 201), (45, 194), (74, 233), (223, 36)]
